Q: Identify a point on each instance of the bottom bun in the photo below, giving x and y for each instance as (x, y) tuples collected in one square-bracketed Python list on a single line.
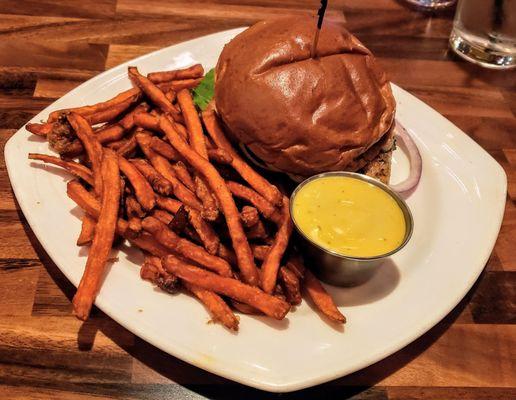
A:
[(375, 162)]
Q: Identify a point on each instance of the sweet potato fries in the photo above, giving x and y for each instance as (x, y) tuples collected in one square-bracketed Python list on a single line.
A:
[(152, 170)]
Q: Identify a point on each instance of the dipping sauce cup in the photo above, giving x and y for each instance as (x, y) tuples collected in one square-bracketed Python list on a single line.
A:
[(330, 261)]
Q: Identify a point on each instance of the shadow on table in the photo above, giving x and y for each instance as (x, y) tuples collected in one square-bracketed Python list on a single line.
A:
[(192, 382), (482, 77)]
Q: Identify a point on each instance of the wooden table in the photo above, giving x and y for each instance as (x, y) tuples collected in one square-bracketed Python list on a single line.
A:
[(48, 47)]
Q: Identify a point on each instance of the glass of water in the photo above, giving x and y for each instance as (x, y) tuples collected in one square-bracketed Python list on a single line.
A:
[(431, 5), (484, 32)]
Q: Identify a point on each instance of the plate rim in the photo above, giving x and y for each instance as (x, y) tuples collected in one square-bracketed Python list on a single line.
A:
[(180, 351)]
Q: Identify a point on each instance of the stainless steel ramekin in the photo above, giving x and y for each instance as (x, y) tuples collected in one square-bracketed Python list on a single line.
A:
[(338, 269)]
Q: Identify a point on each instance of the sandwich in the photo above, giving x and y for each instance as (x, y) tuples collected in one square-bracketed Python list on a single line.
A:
[(301, 115)]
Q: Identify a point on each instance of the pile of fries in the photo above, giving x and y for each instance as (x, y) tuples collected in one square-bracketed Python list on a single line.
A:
[(155, 171)]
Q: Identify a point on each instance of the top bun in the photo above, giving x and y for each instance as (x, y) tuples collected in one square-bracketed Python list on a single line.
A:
[(302, 115)]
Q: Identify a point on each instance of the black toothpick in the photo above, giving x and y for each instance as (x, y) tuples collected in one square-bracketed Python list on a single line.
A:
[(320, 13)]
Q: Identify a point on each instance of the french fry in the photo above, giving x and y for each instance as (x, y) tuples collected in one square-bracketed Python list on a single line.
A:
[(257, 231), (134, 213), (146, 121), (156, 263), (179, 189), (255, 180), (108, 114), (211, 146), (133, 208), (162, 165), (207, 235), (210, 210), (127, 122), (205, 232), (249, 216), (230, 287), (91, 206), (103, 238), (153, 93), (128, 148), (178, 85), (272, 262), (220, 156), (260, 251), (134, 226), (163, 216), (146, 242), (185, 248), (91, 145), (153, 271), (74, 168), (291, 285), (193, 123), (170, 95), (195, 71), (164, 149), (295, 264), (115, 145), (168, 204), (251, 196), (156, 180), (198, 144), (243, 251), (133, 94), (117, 131), (39, 129), (170, 282), (167, 218), (279, 292), (183, 175), (321, 298), (314, 289), (87, 230), (216, 306), (142, 188), (245, 308), (72, 150), (227, 254), (149, 272), (180, 128)]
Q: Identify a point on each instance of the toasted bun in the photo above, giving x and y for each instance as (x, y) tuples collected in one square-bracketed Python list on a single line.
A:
[(298, 114)]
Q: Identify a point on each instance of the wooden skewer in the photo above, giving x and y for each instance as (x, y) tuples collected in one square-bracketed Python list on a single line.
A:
[(320, 13)]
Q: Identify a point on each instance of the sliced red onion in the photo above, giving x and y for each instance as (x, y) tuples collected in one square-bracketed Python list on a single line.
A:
[(416, 163)]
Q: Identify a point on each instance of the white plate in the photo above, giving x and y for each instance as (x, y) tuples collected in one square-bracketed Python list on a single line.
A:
[(458, 209)]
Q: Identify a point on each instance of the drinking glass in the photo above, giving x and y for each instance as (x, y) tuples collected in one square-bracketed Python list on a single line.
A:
[(484, 32), (432, 4)]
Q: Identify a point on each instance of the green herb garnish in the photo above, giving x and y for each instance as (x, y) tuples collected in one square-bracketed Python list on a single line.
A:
[(205, 91)]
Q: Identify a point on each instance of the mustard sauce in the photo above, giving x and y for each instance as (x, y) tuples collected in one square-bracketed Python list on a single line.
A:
[(349, 216)]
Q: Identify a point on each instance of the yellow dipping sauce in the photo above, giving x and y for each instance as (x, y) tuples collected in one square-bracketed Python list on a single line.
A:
[(349, 216)]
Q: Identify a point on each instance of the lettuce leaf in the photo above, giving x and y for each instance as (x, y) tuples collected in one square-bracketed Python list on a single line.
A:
[(205, 91)]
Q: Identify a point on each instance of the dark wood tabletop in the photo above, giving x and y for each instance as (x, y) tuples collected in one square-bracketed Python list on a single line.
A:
[(47, 47)]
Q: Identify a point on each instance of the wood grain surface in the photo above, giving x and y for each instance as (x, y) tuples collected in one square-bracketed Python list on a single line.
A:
[(47, 47)]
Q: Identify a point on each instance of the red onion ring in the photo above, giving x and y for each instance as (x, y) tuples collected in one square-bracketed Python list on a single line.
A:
[(416, 163)]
